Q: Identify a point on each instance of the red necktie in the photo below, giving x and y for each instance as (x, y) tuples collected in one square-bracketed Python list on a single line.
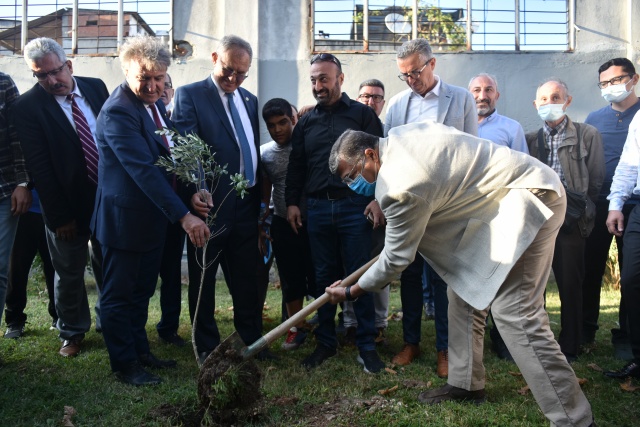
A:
[(156, 119), (86, 139)]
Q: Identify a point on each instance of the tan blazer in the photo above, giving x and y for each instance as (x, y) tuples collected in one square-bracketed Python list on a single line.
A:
[(462, 202)]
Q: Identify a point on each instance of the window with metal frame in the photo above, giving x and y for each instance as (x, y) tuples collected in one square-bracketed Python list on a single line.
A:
[(449, 25), (84, 27)]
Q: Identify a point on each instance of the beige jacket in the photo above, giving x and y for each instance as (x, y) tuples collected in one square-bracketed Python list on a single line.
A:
[(462, 203), (583, 166)]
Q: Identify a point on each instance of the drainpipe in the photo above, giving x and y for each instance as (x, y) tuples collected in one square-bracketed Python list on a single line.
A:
[(25, 27), (630, 30), (120, 23), (414, 23), (74, 28)]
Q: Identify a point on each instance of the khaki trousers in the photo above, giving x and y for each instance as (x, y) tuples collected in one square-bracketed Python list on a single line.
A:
[(518, 310)]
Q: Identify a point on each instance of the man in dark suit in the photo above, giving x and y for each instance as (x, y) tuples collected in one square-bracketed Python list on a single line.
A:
[(226, 117), (61, 155), (134, 206)]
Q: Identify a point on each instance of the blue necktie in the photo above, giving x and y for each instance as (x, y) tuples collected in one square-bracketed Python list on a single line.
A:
[(244, 142)]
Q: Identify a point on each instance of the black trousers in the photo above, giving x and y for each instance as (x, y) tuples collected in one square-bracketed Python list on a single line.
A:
[(170, 275), (293, 258), (235, 249), (568, 268), (595, 259), (31, 239), (630, 280)]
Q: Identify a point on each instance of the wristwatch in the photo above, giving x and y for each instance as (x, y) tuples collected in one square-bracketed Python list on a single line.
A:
[(23, 184), (347, 294)]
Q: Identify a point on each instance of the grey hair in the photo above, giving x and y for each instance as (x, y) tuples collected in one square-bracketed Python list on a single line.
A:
[(487, 75), (372, 83), (232, 42), (148, 51), (350, 147), (419, 46), (555, 80), (38, 48)]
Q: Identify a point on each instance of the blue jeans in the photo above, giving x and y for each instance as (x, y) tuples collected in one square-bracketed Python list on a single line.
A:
[(411, 295), (8, 227), (339, 234)]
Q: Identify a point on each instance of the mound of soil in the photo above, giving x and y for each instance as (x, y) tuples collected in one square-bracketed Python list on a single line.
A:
[(228, 386)]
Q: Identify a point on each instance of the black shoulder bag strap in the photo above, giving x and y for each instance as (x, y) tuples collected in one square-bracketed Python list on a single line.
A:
[(542, 152)]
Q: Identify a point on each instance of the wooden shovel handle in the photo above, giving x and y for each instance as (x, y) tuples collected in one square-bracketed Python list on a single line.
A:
[(282, 329)]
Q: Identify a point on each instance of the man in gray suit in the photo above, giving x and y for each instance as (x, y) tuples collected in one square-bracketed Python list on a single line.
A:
[(486, 218), (427, 98)]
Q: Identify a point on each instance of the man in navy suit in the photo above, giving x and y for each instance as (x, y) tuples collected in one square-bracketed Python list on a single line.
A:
[(64, 170), (226, 117), (135, 204)]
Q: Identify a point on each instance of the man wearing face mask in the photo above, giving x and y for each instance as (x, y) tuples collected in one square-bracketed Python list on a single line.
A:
[(486, 217), (574, 151), (617, 82)]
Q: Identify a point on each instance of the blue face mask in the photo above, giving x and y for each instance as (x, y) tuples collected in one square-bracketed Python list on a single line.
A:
[(363, 187)]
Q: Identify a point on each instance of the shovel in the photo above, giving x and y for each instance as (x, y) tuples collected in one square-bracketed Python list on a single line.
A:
[(235, 342)]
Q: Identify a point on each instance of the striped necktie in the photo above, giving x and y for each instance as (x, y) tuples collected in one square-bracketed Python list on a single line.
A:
[(86, 139)]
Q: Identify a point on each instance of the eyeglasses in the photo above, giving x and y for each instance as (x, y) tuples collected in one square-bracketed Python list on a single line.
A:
[(52, 73), (347, 179), (413, 74), (375, 98), (168, 85), (228, 72), (613, 81), (325, 57)]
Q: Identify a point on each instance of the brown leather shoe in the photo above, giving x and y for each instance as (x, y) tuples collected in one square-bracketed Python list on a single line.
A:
[(451, 393), (406, 355), (443, 364), (70, 348)]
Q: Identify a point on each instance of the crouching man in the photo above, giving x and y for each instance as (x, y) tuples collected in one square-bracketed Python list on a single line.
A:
[(485, 218)]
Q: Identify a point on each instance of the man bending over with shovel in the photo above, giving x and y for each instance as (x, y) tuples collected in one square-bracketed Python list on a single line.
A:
[(485, 218)]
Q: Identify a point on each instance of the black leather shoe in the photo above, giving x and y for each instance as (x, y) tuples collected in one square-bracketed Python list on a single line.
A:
[(134, 374), (267, 356), (319, 355), (150, 361), (173, 338), (451, 393), (631, 369)]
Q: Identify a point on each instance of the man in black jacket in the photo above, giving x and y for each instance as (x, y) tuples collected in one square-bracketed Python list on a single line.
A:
[(55, 121)]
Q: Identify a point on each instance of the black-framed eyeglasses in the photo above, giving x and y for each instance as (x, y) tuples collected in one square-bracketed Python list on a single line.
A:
[(228, 72), (326, 57), (375, 98), (413, 74), (613, 81), (168, 85), (52, 73), (347, 179)]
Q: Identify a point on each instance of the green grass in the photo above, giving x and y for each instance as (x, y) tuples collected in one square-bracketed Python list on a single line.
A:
[(36, 383)]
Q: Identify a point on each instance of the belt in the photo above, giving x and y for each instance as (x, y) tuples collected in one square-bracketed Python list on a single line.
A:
[(332, 194)]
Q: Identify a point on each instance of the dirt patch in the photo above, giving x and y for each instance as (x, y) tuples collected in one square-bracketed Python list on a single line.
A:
[(228, 386)]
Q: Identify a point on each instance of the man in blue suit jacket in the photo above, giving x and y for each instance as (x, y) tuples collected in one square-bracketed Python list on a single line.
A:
[(226, 117), (134, 206)]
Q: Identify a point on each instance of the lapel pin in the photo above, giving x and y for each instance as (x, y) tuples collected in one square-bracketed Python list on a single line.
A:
[(246, 98)]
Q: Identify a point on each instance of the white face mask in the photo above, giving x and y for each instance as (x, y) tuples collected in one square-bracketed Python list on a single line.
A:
[(616, 93), (551, 112)]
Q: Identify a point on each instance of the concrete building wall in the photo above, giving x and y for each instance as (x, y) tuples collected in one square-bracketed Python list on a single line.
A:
[(280, 33)]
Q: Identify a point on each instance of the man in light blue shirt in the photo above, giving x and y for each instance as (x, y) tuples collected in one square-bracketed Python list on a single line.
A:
[(491, 125)]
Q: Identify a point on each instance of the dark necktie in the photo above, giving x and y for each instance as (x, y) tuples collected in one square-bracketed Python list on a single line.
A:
[(86, 139), (156, 119), (244, 142)]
